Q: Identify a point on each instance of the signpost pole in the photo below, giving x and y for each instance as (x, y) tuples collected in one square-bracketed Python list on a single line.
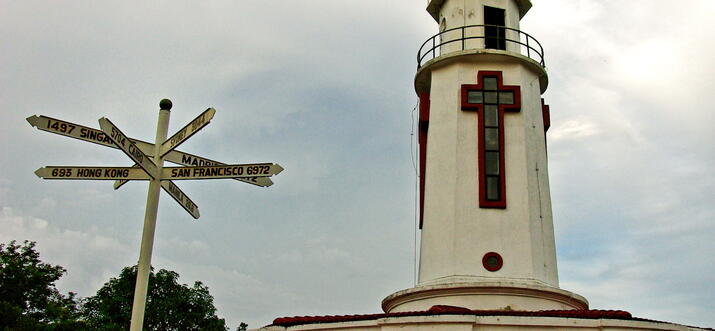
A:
[(152, 204)]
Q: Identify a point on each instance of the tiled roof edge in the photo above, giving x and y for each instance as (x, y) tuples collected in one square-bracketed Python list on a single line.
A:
[(451, 310)]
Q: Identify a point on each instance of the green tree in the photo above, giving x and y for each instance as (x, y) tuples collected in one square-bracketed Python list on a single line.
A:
[(170, 305), (29, 299)]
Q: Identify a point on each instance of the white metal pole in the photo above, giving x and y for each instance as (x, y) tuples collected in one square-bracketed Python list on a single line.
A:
[(152, 204)]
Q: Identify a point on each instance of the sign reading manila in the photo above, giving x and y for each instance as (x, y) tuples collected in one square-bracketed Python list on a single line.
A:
[(180, 197), (148, 161)]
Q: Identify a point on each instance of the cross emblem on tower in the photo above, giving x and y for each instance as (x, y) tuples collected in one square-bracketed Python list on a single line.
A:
[(490, 98)]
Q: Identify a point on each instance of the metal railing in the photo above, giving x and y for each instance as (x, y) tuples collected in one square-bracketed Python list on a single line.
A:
[(510, 39)]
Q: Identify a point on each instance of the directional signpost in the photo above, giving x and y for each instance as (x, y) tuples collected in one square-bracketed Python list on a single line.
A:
[(149, 166), (81, 132)]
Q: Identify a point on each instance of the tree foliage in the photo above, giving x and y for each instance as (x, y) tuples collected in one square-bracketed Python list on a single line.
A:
[(170, 305), (29, 299)]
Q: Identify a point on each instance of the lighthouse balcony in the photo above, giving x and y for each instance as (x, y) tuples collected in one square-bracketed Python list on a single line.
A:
[(486, 36), (490, 42)]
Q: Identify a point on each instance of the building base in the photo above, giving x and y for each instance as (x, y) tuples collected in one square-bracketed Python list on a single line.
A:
[(493, 295)]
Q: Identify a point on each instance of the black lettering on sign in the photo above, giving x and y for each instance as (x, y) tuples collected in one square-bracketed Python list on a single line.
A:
[(194, 161), (175, 191), (95, 135), (185, 159), (197, 122), (180, 172), (62, 127), (105, 138), (178, 137), (136, 153), (118, 136), (89, 172), (212, 171), (61, 172), (190, 205), (258, 170), (116, 173)]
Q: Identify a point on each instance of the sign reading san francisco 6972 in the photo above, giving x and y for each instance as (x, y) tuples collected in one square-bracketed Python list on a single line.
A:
[(148, 165)]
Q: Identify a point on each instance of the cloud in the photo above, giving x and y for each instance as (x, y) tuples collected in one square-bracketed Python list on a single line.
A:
[(325, 90), (89, 257)]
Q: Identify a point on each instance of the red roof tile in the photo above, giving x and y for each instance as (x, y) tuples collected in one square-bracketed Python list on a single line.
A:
[(451, 310)]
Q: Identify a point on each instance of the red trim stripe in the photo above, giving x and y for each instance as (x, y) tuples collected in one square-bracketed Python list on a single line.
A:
[(423, 127)]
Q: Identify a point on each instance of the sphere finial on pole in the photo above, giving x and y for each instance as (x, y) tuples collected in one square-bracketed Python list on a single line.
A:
[(165, 104)]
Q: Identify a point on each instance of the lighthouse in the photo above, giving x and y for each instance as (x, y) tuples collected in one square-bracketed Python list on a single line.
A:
[(487, 235), (487, 256)]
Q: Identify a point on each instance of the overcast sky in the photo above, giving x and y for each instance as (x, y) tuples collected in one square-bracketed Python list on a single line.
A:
[(324, 88)]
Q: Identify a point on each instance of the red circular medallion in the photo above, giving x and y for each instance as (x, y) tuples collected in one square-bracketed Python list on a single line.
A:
[(492, 261)]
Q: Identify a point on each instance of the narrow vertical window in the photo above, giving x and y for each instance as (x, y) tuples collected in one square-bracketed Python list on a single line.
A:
[(494, 31)]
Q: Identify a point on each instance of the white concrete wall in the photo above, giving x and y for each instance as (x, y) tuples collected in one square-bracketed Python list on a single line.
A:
[(456, 232)]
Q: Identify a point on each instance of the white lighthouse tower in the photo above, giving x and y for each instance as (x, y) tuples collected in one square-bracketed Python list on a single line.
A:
[(487, 257), (485, 207)]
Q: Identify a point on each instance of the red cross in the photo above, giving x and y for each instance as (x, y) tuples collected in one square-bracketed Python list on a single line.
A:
[(490, 98)]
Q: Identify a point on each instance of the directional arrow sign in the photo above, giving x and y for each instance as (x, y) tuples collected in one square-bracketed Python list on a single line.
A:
[(92, 135), (101, 173), (222, 171), (72, 130), (193, 160), (127, 146), (187, 131), (181, 198)]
